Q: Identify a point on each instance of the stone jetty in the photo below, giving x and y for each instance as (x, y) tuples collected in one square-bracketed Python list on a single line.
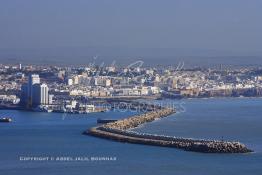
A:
[(120, 131)]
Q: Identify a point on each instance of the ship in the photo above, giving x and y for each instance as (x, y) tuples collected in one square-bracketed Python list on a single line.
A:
[(5, 120)]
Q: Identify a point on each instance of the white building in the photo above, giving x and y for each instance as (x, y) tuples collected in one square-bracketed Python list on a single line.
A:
[(44, 94), (40, 95), (69, 81)]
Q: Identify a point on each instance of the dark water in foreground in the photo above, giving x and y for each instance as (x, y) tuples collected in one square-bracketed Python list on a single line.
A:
[(47, 134)]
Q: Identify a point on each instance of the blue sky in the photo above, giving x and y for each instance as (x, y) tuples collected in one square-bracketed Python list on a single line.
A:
[(228, 25)]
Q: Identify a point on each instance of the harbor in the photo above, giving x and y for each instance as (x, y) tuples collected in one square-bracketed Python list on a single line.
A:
[(50, 132)]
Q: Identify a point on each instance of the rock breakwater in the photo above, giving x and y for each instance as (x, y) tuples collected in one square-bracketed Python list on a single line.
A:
[(120, 131)]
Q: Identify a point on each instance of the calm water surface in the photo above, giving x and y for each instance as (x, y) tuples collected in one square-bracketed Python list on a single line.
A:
[(50, 134)]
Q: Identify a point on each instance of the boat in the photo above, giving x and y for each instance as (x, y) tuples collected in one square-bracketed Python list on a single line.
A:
[(106, 120), (42, 109), (5, 120)]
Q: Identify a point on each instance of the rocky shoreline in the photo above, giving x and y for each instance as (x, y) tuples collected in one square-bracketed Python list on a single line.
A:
[(120, 131)]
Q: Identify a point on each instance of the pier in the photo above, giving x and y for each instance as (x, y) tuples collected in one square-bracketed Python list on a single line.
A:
[(120, 131)]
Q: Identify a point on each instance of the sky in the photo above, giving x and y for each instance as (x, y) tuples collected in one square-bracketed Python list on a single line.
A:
[(224, 27)]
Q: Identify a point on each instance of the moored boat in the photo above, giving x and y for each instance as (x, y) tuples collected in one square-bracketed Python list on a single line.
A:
[(106, 120), (5, 120)]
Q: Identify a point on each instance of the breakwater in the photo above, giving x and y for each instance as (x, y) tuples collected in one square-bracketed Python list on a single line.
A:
[(120, 131)]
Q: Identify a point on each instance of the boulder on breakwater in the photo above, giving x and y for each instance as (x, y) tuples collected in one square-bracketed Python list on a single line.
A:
[(135, 121)]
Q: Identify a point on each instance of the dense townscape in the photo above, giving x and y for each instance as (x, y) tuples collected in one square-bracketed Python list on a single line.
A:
[(70, 88)]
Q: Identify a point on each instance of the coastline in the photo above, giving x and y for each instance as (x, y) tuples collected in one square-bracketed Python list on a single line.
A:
[(127, 99)]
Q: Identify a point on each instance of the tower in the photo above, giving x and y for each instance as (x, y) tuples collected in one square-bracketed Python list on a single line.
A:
[(44, 94), (32, 80), (40, 94)]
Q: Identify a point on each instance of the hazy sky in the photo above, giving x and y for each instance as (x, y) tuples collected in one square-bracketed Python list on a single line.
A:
[(233, 25)]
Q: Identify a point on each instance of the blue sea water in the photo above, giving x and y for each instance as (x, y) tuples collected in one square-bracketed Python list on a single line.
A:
[(35, 134)]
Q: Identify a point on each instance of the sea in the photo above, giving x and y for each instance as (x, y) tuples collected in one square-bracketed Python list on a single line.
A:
[(53, 143)]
